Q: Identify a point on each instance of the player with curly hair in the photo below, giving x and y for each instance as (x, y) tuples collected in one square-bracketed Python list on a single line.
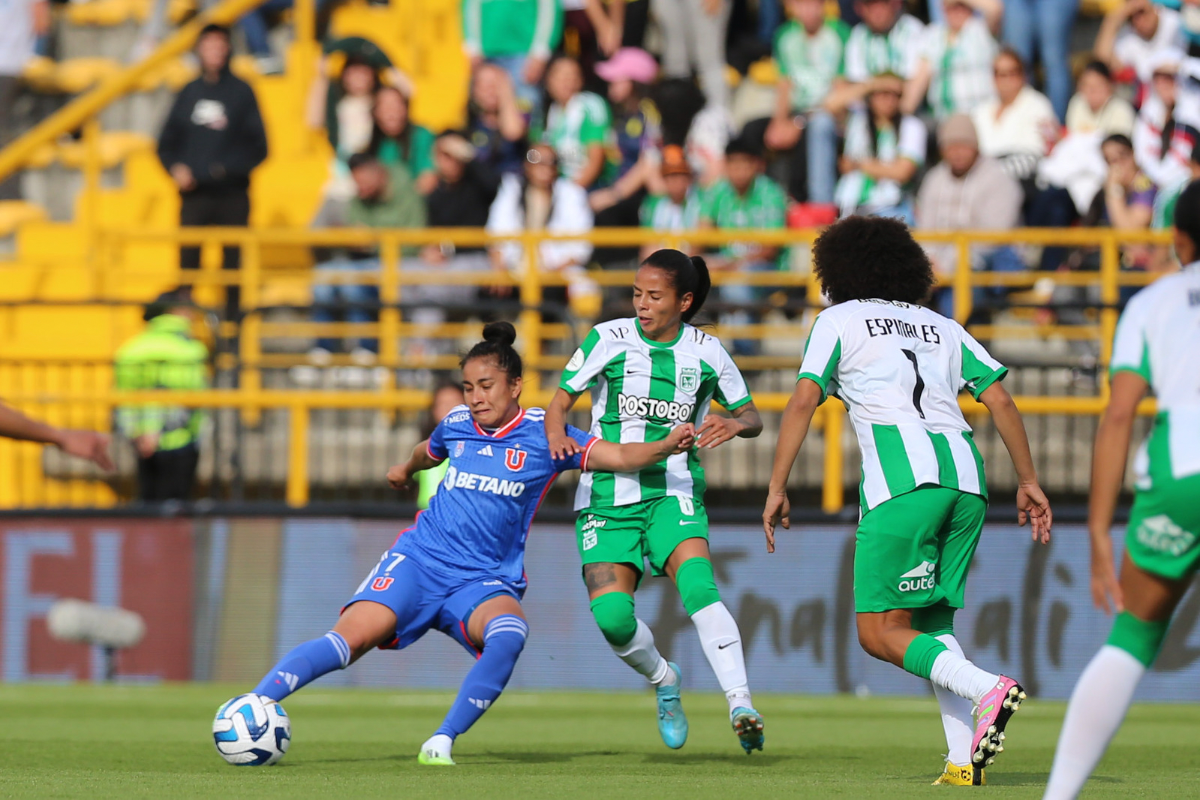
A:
[(899, 368)]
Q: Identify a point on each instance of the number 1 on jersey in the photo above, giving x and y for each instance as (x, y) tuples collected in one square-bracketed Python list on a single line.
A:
[(919, 386)]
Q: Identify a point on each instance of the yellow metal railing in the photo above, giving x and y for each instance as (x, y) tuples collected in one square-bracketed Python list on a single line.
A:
[(65, 403)]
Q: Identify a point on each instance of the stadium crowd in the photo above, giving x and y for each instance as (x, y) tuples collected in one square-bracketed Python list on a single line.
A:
[(925, 111)]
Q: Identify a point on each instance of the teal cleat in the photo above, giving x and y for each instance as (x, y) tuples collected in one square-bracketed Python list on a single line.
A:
[(748, 725), (672, 722)]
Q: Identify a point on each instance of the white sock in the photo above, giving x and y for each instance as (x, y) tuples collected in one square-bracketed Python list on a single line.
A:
[(1097, 706), (641, 654), (957, 719), (952, 671), (438, 746), (722, 644)]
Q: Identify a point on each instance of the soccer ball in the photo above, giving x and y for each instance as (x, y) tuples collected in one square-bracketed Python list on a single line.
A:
[(252, 731)]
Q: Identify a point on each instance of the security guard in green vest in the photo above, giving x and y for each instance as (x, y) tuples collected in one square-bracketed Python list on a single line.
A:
[(165, 437)]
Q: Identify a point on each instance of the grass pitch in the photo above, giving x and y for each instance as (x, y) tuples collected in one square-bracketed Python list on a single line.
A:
[(98, 741)]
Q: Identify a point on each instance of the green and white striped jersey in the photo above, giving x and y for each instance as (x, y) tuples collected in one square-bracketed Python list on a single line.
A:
[(961, 79), (641, 389), (1158, 337), (869, 54), (899, 369)]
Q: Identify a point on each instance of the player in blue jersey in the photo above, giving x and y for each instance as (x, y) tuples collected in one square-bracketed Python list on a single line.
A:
[(460, 568)]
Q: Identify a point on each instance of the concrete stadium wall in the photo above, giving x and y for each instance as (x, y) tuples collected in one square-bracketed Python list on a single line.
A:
[(223, 598)]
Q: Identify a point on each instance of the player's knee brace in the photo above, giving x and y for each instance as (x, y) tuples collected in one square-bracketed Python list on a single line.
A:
[(614, 614), (1139, 638), (506, 633), (697, 584), (935, 620)]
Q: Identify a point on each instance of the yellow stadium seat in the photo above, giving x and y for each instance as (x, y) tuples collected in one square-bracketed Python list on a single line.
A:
[(14, 213), (422, 38), (1097, 8), (114, 147), (79, 74), (38, 73), (764, 71), (106, 13)]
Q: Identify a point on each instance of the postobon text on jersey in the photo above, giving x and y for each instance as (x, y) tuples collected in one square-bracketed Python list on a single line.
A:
[(631, 406)]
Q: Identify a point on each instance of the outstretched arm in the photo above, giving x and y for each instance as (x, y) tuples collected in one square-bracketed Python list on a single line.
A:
[(793, 428), (81, 444), (1109, 457), (561, 445), (1032, 505), (744, 421), (607, 456), (400, 476)]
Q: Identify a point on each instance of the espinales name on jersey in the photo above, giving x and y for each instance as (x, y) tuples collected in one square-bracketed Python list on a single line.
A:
[(649, 408)]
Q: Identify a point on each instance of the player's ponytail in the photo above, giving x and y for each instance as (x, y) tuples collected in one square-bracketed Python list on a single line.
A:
[(497, 344), (688, 275)]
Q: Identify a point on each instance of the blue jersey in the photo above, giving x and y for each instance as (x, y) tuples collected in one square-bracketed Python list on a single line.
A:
[(478, 520)]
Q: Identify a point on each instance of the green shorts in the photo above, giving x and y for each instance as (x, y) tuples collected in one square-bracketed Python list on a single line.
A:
[(914, 550), (1163, 537), (631, 534)]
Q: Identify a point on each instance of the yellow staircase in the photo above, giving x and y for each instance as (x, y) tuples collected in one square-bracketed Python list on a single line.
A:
[(56, 262)]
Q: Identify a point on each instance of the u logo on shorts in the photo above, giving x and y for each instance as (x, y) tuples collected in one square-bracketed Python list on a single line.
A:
[(381, 584)]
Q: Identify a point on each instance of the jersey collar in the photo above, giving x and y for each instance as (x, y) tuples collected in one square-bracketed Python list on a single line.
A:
[(500, 433), (1192, 267), (637, 323)]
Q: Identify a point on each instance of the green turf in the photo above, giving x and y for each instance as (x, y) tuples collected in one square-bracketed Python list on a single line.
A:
[(97, 741)]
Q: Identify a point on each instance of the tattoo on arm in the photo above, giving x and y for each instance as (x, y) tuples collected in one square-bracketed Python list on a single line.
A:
[(748, 415), (599, 576)]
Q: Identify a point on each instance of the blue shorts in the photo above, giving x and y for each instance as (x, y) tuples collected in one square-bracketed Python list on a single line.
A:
[(424, 598)]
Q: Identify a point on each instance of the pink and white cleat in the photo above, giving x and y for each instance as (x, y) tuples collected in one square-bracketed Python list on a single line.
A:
[(995, 709)]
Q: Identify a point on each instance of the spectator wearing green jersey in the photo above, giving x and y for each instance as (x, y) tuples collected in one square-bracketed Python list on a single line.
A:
[(677, 207), (886, 41), (883, 151), (1164, 203), (746, 199), (578, 124), (954, 70), (1163, 216), (397, 141), (517, 35), (809, 51)]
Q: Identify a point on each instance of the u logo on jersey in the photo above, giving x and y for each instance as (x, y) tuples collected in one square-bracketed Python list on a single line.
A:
[(514, 459), (381, 584), (459, 446)]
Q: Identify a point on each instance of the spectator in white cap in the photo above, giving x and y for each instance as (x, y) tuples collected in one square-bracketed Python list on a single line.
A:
[(967, 191), (1162, 143)]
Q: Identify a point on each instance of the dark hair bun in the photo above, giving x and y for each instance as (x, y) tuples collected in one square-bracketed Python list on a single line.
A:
[(502, 333)]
